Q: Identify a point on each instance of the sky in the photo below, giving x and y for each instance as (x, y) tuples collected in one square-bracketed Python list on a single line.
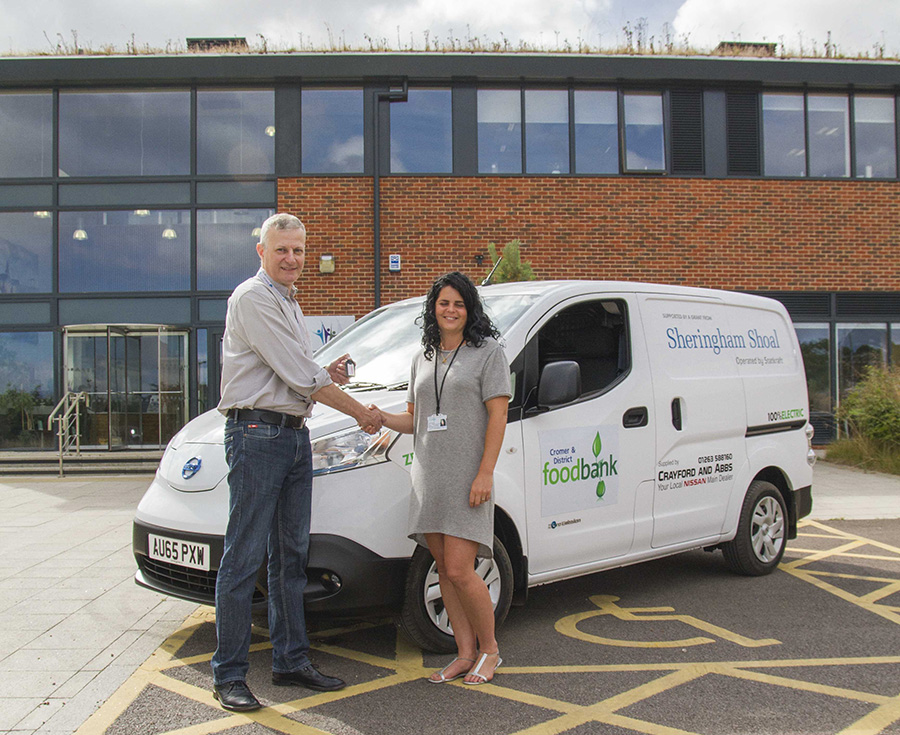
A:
[(860, 27)]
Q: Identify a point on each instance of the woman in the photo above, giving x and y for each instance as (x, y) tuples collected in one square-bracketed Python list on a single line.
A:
[(456, 410)]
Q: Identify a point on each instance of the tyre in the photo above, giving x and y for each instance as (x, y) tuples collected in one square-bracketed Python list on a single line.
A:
[(761, 536), (423, 617)]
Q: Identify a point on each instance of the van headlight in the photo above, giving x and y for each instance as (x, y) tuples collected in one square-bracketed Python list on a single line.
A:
[(350, 449)]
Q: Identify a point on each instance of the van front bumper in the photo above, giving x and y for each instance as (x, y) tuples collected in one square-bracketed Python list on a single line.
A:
[(343, 577)]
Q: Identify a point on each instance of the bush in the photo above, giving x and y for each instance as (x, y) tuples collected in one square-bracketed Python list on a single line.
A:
[(513, 268), (872, 408), (871, 414)]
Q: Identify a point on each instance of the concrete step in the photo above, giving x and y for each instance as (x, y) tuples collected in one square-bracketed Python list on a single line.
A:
[(122, 462)]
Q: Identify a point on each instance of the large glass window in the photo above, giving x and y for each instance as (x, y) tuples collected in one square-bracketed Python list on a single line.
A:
[(895, 345), (829, 135), (499, 131), (784, 136), (139, 250), (226, 246), (815, 346), (26, 251), (124, 133), (546, 131), (876, 137), (860, 346), (26, 126), (596, 132), (26, 389), (644, 135), (331, 131), (422, 133), (236, 131)]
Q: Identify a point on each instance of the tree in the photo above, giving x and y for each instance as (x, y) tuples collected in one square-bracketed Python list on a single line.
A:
[(512, 268)]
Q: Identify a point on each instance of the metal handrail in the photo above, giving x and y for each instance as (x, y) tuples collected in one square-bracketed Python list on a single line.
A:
[(68, 417)]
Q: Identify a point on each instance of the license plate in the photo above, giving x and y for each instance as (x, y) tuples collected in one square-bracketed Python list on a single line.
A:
[(176, 551)]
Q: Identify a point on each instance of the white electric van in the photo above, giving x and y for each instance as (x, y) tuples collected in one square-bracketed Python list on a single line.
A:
[(645, 420)]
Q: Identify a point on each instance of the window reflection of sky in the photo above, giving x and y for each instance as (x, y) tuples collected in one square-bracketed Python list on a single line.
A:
[(26, 362), (124, 133), (875, 137), (236, 132), (829, 135), (384, 342), (596, 132), (499, 131), (26, 245), (331, 130), (644, 138), (422, 134), (547, 131), (784, 138), (26, 124)]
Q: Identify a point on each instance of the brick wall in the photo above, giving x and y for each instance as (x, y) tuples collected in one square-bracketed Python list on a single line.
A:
[(733, 234)]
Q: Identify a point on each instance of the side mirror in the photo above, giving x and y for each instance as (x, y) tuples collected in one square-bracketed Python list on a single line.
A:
[(560, 383)]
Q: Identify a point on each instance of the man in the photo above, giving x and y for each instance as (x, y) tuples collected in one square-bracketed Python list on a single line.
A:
[(269, 385)]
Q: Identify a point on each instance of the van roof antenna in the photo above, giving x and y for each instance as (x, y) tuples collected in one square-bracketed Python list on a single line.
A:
[(487, 281)]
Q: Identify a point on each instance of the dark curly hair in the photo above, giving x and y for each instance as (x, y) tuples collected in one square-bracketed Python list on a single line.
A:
[(478, 324)]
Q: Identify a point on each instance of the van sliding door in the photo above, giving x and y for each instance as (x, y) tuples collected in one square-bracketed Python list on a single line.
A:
[(699, 401)]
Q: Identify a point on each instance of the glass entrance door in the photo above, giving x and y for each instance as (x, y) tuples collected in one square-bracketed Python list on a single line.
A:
[(136, 378), (121, 427)]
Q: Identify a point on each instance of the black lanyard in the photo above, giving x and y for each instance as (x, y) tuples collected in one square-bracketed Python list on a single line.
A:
[(439, 393)]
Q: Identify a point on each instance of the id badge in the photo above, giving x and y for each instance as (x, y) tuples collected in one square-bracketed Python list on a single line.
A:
[(437, 422)]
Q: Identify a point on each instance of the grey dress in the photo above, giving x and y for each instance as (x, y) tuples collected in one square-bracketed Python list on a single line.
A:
[(445, 463)]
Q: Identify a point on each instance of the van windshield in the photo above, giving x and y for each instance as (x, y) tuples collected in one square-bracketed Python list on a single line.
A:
[(383, 342)]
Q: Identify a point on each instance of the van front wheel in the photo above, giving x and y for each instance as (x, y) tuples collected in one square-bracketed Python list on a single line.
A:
[(762, 532), (424, 618)]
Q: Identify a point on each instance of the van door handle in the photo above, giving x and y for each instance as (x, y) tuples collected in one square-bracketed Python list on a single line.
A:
[(635, 417)]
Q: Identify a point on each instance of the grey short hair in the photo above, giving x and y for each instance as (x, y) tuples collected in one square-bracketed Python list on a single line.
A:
[(280, 221)]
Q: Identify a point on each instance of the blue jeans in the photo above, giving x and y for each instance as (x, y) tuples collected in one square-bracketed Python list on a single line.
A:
[(270, 488)]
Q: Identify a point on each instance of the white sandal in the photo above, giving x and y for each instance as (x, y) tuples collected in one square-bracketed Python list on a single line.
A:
[(477, 670), (444, 679)]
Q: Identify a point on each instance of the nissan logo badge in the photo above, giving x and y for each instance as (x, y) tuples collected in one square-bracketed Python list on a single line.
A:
[(191, 467)]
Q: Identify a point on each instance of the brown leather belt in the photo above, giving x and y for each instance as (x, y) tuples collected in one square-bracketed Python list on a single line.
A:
[(267, 417)]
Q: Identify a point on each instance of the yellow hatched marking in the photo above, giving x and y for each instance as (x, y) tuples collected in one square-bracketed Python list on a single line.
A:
[(799, 568), (804, 686), (605, 711), (820, 554), (407, 665), (886, 591), (876, 721)]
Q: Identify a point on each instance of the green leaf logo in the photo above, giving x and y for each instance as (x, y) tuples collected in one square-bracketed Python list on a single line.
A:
[(598, 445), (601, 489)]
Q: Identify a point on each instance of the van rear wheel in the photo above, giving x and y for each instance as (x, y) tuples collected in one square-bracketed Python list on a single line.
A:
[(761, 536), (424, 618)]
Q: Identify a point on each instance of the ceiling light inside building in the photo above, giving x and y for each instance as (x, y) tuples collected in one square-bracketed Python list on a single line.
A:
[(42, 214), (169, 233), (270, 131), (79, 234)]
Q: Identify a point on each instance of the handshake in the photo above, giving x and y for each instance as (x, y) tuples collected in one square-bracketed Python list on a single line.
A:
[(372, 420)]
